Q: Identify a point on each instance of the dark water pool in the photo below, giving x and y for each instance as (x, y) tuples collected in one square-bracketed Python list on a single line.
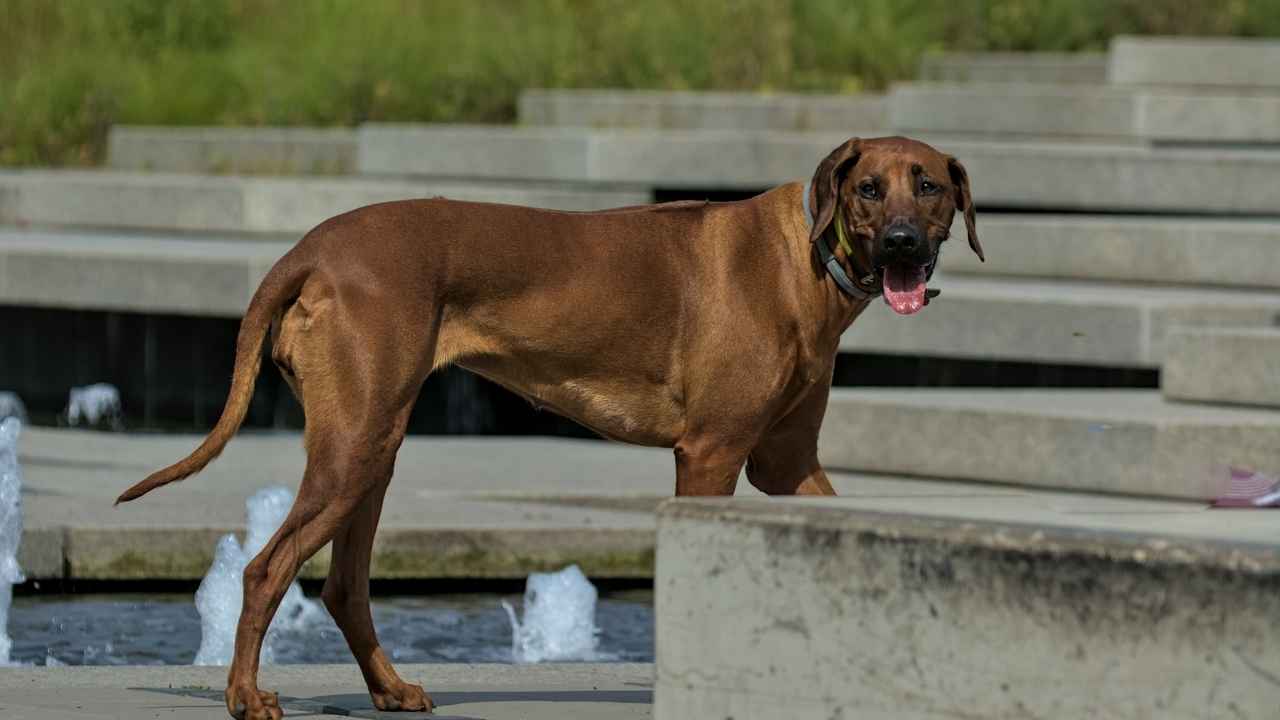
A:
[(165, 630)]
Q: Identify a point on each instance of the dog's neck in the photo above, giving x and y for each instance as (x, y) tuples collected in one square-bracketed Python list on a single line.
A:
[(844, 303), (839, 268)]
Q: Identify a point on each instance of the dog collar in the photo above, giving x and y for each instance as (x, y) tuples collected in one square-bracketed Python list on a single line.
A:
[(829, 260)]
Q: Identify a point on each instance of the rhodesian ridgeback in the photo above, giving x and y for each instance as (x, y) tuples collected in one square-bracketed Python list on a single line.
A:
[(709, 328)]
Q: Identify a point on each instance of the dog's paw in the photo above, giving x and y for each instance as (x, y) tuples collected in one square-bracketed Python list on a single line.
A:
[(253, 704), (403, 697)]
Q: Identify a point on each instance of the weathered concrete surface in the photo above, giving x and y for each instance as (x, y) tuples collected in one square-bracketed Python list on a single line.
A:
[(1223, 365), (1189, 118), (239, 150), (1217, 62), (701, 110), (1056, 321), (1015, 67), (1175, 251), (1039, 175), (1050, 321), (771, 609), (458, 507), (474, 508), (132, 271), (1119, 441), (615, 691), (1001, 110), (203, 203)]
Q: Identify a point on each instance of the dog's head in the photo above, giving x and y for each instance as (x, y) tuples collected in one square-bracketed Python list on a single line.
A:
[(895, 198)]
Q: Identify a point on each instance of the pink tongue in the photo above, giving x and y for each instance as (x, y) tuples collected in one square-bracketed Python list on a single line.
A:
[(904, 288)]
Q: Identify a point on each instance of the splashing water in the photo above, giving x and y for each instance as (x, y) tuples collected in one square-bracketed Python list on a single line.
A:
[(559, 619), (10, 525), (96, 405), (220, 594), (11, 406)]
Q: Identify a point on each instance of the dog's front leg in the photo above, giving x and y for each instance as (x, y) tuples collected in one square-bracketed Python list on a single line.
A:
[(785, 460), (707, 468)]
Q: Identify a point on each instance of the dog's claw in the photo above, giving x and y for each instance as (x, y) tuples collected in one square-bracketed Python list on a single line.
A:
[(267, 707), (404, 697)]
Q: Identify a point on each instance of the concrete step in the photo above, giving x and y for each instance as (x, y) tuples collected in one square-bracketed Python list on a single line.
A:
[(1117, 441), (1223, 365), (1038, 320), (463, 507), (237, 204), (1173, 250), (701, 110), (1190, 61), (1015, 67), (999, 111), (1052, 321), (913, 609), (133, 272), (240, 150), (1040, 175)]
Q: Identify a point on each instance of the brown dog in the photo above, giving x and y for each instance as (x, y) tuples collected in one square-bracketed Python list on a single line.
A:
[(710, 328)]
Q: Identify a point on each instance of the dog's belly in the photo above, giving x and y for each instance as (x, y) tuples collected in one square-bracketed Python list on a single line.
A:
[(625, 410)]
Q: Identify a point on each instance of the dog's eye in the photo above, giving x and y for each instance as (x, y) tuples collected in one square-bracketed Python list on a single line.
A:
[(867, 190), (928, 187)]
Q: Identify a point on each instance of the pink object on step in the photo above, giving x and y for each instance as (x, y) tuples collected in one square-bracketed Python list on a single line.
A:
[(1249, 489)]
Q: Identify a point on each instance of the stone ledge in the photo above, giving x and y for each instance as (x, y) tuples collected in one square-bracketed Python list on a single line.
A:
[(1223, 365), (786, 609), (1113, 441)]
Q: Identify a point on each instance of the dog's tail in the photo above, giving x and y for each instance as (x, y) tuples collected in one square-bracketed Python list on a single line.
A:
[(281, 284)]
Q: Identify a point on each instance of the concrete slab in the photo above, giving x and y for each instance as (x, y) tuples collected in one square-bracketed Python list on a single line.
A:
[(1223, 365), (1083, 177), (458, 507), (1112, 441), (133, 272), (797, 609), (1200, 118), (476, 508), (683, 110), (1142, 249), (291, 206), (1015, 67), (1060, 321), (1202, 61), (1056, 321), (1039, 175), (239, 150), (1001, 110), (618, 691)]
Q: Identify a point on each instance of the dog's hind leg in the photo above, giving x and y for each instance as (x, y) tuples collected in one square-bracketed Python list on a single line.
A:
[(357, 382), (346, 595), (313, 520)]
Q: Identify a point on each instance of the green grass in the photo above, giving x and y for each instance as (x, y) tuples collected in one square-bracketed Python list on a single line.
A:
[(70, 68)]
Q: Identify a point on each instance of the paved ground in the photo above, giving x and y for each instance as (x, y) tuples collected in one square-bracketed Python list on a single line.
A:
[(469, 507), (492, 692)]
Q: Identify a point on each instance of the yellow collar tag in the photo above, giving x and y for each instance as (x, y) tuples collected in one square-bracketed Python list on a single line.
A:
[(842, 240)]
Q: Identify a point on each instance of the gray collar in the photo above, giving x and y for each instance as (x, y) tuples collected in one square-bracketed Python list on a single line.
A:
[(829, 261)]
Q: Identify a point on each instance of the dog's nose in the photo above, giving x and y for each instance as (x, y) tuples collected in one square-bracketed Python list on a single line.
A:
[(901, 240)]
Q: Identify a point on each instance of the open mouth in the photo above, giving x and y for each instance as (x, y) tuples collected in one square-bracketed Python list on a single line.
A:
[(904, 287)]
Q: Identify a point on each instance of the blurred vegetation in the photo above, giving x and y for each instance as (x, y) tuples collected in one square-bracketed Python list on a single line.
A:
[(70, 68)]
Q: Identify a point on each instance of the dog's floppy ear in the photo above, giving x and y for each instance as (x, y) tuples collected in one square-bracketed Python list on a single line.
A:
[(824, 189), (964, 203)]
